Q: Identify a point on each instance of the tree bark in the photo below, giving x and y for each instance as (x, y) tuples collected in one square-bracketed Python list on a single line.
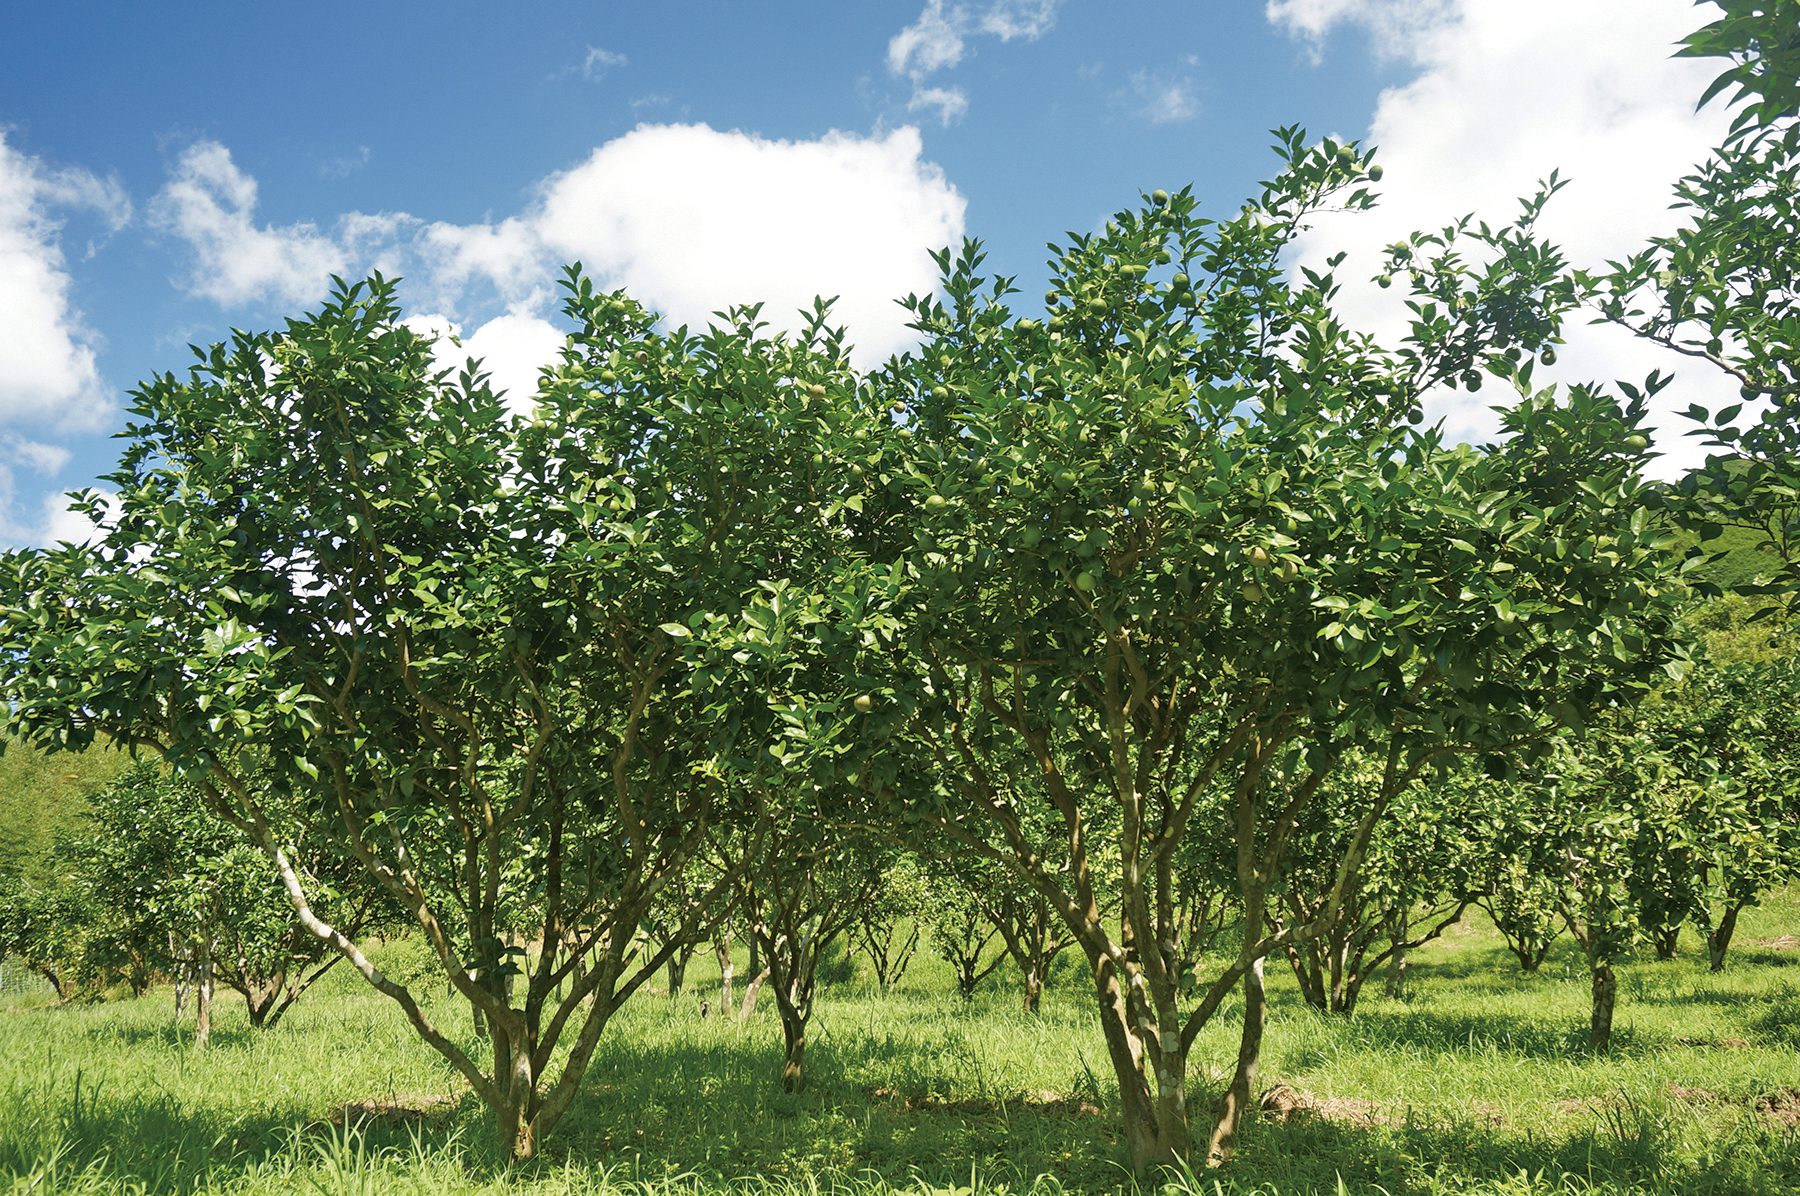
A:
[(203, 996), (755, 986), (518, 1130), (722, 952), (1396, 977), (1606, 993), (1155, 1121), (793, 1057), (1719, 940), (1243, 1080), (1034, 988), (1665, 939)]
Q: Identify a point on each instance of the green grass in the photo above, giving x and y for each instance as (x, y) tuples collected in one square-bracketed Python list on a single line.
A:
[(1477, 1082)]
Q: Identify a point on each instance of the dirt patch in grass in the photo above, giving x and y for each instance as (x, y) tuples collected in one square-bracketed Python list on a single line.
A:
[(1042, 1101), (401, 1108), (1781, 1105), (1723, 1044), (1571, 1105), (1781, 942), (1695, 1096), (1283, 1104)]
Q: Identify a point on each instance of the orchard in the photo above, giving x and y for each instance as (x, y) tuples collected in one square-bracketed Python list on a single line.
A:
[(1143, 663)]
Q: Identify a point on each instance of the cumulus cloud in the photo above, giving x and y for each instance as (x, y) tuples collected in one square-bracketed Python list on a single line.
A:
[(511, 349), (49, 377), (692, 219), (55, 522), (505, 255), (42, 518), (1504, 94), (211, 204), (689, 218), (938, 39)]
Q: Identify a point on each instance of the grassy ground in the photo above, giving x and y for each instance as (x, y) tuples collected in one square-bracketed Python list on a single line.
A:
[(1474, 1083)]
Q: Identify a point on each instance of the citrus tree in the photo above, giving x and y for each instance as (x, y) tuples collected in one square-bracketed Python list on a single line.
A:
[(886, 928), (1185, 548), (179, 883), (1413, 884), (333, 563)]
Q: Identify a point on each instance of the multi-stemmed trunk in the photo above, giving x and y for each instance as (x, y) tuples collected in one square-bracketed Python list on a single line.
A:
[(268, 997), (1332, 966), (889, 942), (1034, 936), (793, 1039), (676, 968), (962, 935), (587, 963), (797, 895), (1151, 764), (1527, 923)]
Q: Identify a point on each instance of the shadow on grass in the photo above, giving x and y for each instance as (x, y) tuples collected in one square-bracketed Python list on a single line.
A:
[(1626, 1148), (714, 1110), (1452, 1033)]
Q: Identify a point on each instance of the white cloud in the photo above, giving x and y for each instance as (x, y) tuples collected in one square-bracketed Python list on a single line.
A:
[(691, 220), (211, 204), (1395, 26), (599, 61), (45, 518), (1009, 19), (506, 254), (56, 522), (948, 102), (1503, 95), (931, 43), (1163, 98), (512, 349), (34, 454), (49, 377), (938, 39)]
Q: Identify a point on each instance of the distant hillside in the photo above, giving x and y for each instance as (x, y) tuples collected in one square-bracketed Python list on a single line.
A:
[(1739, 558), (41, 794), (1738, 555)]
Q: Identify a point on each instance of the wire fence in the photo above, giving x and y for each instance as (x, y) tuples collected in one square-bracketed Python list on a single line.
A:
[(18, 980)]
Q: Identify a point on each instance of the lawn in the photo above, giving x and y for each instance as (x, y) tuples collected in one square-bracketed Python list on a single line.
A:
[(1475, 1081)]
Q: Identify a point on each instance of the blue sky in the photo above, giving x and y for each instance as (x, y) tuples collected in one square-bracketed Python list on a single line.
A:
[(166, 177)]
